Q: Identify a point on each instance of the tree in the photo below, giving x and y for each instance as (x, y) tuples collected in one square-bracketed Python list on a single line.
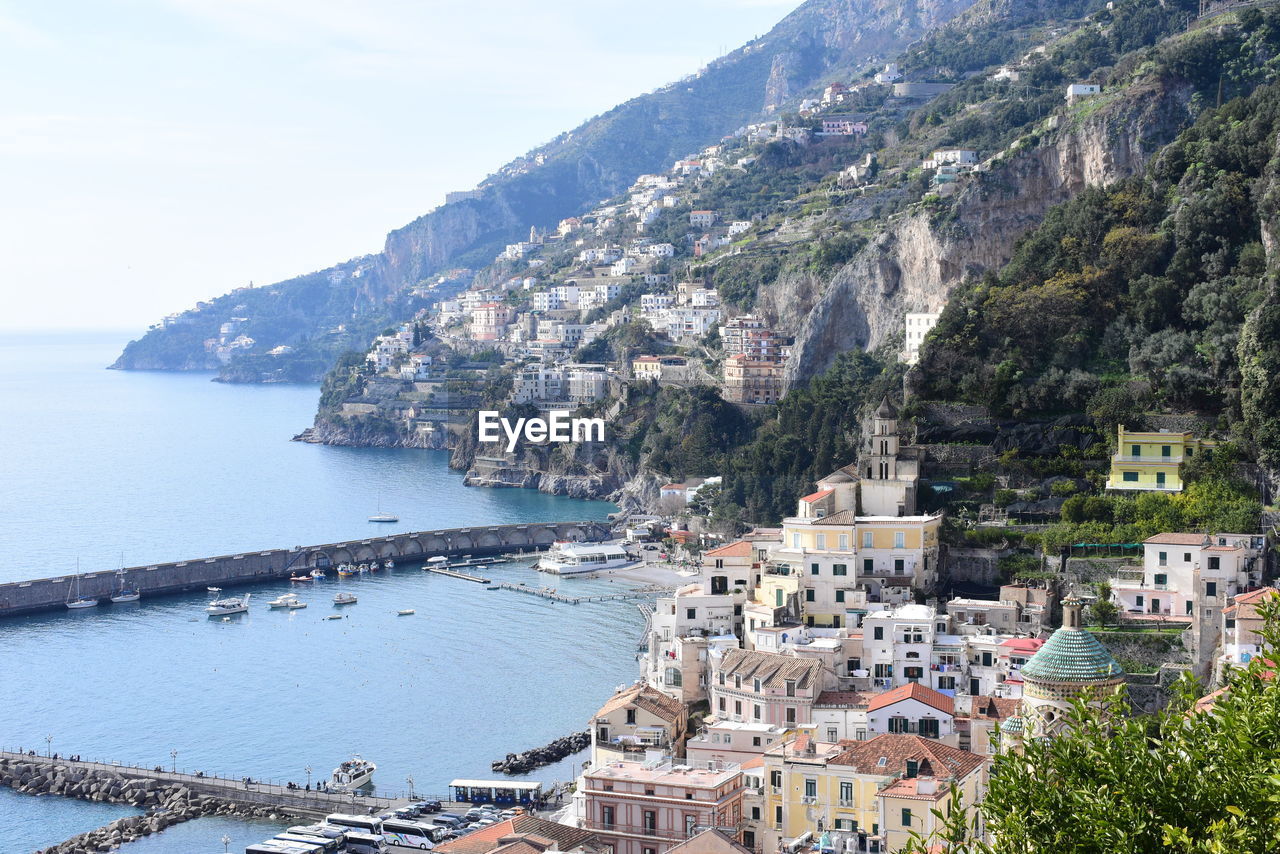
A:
[(1104, 611)]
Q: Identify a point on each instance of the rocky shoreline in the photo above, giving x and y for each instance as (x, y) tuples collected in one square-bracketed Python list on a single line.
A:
[(531, 760), (165, 804)]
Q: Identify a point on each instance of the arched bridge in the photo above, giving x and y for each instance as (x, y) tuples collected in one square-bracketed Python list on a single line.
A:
[(23, 597)]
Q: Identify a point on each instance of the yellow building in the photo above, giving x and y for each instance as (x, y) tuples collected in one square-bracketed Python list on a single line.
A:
[(646, 368), (868, 793), (1152, 461)]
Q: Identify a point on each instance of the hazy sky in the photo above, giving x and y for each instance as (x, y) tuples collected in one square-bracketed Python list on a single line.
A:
[(157, 152)]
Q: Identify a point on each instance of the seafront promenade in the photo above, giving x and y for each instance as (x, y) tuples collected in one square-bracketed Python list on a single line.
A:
[(25, 597)]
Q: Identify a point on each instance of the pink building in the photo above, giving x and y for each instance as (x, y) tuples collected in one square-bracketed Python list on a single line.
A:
[(647, 808), (765, 687), (489, 321)]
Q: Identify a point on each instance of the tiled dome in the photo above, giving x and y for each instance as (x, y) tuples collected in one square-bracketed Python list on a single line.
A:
[(1072, 655)]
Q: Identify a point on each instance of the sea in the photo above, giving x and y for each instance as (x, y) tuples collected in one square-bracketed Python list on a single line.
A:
[(100, 468)]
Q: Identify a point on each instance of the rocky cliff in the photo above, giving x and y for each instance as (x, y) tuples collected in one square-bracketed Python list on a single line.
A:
[(919, 256)]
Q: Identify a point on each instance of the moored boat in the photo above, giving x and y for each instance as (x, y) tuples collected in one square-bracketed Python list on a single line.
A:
[(404, 612), (346, 569), (284, 600), (352, 774), (317, 573), (228, 605), (78, 602), (574, 558), (345, 598)]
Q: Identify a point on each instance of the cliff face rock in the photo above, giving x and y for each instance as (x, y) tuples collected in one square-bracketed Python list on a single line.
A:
[(918, 257), (352, 433), (582, 470)]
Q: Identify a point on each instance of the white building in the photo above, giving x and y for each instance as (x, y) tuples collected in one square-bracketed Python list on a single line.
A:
[(1082, 90), (890, 74), (702, 219), (918, 324)]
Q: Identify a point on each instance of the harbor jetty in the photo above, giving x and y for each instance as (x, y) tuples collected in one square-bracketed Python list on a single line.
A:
[(531, 760), (554, 596), (25, 597)]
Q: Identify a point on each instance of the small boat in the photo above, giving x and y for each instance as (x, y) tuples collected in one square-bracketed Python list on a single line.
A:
[(375, 566), (344, 598), (214, 589), (352, 774), (293, 606), (334, 617), (346, 569), (124, 593), (317, 573), (300, 578), (362, 568), (388, 564), (229, 605), (284, 600), (80, 602), (404, 612)]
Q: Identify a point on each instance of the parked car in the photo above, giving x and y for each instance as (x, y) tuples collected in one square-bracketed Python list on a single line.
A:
[(651, 548), (427, 807)]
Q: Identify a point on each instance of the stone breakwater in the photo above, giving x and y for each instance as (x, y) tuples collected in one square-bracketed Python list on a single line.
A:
[(530, 760), (166, 804)]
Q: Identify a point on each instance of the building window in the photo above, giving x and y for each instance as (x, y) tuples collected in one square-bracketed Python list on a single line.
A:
[(755, 710), (929, 728), (737, 708), (839, 569), (899, 566), (839, 595), (606, 817), (1130, 476), (755, 685), (795, 540), (1215, 563), (899, 539), (755, 741), (721, 704), (791, 714), (777, 816), (1162, 579), (844, 542), (809, 595), (1211, 588), (631, 717), (775, 779), (833, 734), (878, 633), (1136, 450), (791, 687), (846, 790), (868, 566), (1186, 557), (906, 817), (1166, 451), (674, 678), (813, 567), (810, 788), (913, 768), (898, 725), (822, 541), (867, 539), (650, 821)]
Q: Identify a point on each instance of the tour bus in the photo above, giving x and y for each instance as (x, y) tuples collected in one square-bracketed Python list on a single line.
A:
[(272, 846), (326, 845), (366, 843), (361, 823), (410, 834)]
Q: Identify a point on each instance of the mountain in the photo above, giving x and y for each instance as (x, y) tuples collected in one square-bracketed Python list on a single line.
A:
[(595, 160)]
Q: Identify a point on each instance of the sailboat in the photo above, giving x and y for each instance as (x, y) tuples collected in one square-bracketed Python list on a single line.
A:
[(124, 594), (383, 517), (79, 601)]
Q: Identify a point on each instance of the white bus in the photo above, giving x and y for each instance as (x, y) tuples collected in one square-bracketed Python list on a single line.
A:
[(410, 834), (360, 823), (323, 843), (272, 846), (366, 843)]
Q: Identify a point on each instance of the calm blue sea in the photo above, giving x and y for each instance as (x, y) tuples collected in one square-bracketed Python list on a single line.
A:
[(95, 464)]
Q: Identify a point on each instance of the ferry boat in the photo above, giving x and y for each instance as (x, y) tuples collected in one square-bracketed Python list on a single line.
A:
[(352, 774), (229, 605), (576, 558), (284, 600), (345, 598)]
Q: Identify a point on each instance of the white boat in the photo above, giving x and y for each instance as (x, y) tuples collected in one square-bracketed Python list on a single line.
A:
[(229, 605), (293, 606), (404, 612), (317, 573), (574, 558), (124, 593), (364, 567), (352, 774), (388, 564), (284, 600), (344, 598), (375, 566), (79, 602), (334, 617)]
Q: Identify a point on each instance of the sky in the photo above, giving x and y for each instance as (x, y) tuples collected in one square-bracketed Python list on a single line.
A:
[(158, 152)]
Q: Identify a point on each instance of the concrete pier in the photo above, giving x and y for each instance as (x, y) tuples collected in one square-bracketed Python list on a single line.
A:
[(43, 594)]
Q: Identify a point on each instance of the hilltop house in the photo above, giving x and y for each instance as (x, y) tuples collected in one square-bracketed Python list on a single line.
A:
[(1152, 460)]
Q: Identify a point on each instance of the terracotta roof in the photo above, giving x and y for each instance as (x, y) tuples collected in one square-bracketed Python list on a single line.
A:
[(709, 841), (739, 549), (647, 698), (1172, 539), (771, 668), (932, 757), (757, 762), (504, 834), (1250, 599), (817, 496), (845, 699), (913, 691), (995, 708), (1023, 644), (909, 787), (673, 486)]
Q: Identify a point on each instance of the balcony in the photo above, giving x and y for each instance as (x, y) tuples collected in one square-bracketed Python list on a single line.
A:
[(1151, 458), (668, 834)]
